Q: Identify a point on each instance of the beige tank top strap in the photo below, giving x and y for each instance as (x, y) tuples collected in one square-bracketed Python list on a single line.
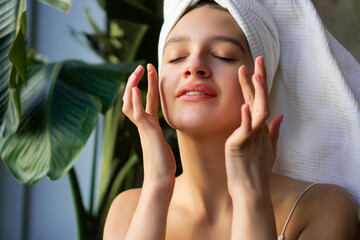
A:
[(281, 237)]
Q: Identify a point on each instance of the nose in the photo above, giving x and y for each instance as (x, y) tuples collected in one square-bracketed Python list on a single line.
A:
[(197, 68)]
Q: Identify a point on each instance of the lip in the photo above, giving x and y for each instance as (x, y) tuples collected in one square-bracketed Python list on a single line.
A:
[(204, 91)]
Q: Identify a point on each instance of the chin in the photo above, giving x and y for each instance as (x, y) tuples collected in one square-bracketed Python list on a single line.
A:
[(203, 126)]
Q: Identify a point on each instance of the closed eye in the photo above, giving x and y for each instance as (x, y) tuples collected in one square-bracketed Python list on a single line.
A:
[(176, 60), (225, 59)]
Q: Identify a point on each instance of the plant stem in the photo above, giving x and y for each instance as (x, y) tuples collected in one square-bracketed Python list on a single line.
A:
[(129, 182), (121, 176), (18, 17), (112, 121), (113, 189), (110, 133), (137, 42), (83, 232), (93, 171), (26, 213)]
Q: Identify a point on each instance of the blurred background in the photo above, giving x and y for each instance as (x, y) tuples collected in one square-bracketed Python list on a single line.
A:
[(50, 212), (342, 18)]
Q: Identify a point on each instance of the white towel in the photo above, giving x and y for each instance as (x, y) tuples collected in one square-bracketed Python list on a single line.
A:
[(316, 87), (254, 20)]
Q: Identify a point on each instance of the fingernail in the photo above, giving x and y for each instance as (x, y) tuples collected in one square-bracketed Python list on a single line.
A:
[(244, 71), (246, 106), (258, 78), (282, 118), (148, 67), (138, 68), (261, 61), (134, 90)]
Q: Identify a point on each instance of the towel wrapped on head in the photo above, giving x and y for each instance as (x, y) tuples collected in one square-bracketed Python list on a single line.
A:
[(252, 17), (312, 80)]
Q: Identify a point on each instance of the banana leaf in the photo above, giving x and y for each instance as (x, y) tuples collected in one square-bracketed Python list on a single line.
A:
[(10, 12), (63, 5), (60, 106)]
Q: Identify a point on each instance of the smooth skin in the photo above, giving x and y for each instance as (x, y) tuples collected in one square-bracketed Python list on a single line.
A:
[(227, 189)]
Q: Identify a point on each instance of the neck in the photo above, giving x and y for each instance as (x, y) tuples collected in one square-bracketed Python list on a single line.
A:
[(203, 183), (204, 174)]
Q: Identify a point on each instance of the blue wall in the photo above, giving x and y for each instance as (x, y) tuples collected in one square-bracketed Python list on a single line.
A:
[(51, 211)]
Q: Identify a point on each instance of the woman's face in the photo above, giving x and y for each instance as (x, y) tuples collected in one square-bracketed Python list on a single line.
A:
[(199, 85)]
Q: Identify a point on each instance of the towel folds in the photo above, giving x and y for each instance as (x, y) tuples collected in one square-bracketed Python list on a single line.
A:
[(313, 81)]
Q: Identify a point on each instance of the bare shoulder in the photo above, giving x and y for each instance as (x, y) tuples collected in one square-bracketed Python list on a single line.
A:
[(120, 214), (324, 211), (329, 212)]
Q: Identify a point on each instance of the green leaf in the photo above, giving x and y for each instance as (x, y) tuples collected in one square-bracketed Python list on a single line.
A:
[(34, 57), (101, 3), (10, 13), (18, 51), (92, 22), (60, 106), (131, 39), (63, 5), (23, 23), (98, 80)]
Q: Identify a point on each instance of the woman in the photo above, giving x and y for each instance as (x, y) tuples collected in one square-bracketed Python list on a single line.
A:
[(216, 97)]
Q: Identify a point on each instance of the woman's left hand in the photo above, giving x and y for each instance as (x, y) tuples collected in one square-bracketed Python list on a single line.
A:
[(249, 156), (250, 151)]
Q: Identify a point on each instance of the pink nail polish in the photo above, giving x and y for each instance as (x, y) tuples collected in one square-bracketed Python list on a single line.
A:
[(138, 68), (261, 61), (244, 71), (258, 78), (134, 90)]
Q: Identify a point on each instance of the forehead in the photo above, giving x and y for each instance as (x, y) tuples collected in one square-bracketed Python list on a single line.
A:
[(207, 21)]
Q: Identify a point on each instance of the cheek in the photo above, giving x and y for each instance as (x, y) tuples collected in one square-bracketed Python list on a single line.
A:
[(249, 66), (237, 94), (167, 88), (232, 98), (230, 86)]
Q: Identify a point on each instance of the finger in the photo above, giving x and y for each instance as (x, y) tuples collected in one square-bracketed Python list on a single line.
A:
[(152, 98), (246, 120), (246, 86), (261, 102), (260, 69), (243, 133), (137, 105), (133, 81), (274, 129)]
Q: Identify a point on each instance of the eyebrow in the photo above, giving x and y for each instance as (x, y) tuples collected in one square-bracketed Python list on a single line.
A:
[(176, 40), (217, 38), (234, 41)]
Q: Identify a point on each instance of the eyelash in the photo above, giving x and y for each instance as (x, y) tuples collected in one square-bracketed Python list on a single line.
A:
[(176, 60), (218, 57), (224, 59)]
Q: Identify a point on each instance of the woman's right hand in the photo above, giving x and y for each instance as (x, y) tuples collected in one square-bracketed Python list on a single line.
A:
[(159, 162)]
